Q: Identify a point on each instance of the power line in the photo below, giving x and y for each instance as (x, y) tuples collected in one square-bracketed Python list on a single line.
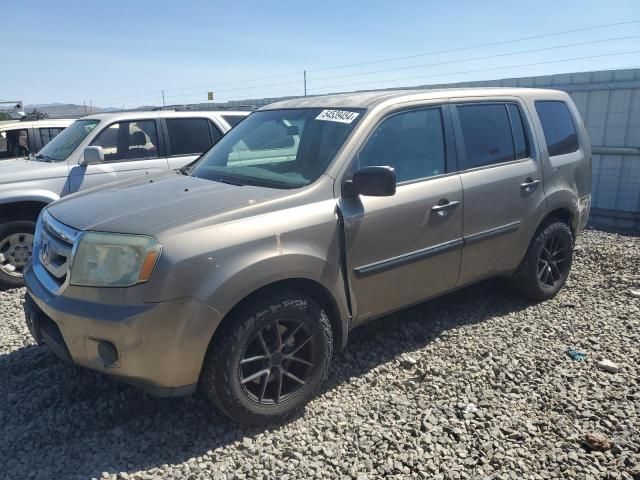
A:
[(481, 45), (275, 94), (413, 66), (503, 42), (477, 58), (484, 69)]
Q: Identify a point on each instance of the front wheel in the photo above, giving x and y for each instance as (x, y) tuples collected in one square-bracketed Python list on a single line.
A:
[(547, 263), (16, 249), (268, 359)]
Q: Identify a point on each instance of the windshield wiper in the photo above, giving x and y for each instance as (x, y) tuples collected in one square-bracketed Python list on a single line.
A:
[(227, 180), (39, 156)]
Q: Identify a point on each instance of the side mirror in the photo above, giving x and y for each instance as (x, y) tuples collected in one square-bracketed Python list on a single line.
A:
[(371, 182), (92, 155)]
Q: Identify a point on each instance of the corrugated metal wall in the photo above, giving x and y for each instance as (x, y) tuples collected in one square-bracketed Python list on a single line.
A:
[(609, 102)]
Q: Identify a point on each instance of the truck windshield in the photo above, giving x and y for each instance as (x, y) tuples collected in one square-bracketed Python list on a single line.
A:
[(278, 148), (67, 141)]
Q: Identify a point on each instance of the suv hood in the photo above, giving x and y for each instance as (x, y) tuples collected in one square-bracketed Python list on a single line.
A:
[(22, 169), (148, 205)]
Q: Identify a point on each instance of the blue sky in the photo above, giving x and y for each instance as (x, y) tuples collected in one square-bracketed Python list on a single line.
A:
[(123, 53)]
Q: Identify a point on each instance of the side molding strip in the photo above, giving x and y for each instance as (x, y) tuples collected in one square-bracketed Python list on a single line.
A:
[(410, 257), (493, 232)]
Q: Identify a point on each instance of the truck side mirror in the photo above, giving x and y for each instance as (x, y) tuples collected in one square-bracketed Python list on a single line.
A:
[(371, 182), (92, 155)]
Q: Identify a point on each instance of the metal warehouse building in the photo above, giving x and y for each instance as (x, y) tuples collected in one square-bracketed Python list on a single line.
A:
[(609, 102)]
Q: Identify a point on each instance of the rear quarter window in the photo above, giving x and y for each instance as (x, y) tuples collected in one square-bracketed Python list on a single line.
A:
[(233, 120), (558, 127)]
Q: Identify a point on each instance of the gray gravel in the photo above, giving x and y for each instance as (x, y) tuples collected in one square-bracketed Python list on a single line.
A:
[(477, 384)]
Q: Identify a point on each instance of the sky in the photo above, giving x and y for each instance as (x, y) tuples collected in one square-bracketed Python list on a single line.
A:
[(125, 53)]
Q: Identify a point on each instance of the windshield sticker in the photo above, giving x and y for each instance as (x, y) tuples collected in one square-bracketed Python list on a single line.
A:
[(342, 116)]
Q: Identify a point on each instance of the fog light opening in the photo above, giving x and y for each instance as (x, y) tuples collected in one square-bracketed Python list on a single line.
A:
[(107, 352)]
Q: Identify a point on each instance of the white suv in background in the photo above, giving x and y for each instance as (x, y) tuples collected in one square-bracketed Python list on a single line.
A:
[(92, 151)]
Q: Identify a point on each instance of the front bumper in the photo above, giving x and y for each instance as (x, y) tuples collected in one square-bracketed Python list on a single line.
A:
[(160, 346)]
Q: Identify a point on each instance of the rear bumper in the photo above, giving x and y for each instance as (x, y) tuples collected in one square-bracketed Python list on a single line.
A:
[(160, 346)]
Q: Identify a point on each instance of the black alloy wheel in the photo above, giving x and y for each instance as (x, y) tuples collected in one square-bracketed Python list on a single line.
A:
[(277, 361)]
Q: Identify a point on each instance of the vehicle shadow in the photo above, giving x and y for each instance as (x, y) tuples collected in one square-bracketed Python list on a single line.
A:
[(62, 421)]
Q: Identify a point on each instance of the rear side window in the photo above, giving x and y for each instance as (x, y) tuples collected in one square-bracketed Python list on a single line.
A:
[(493, 133), (48, 134), (233, 120), (557, 124), (189, 135)]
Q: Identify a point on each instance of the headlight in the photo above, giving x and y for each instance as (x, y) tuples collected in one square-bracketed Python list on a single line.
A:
[(113, 260)]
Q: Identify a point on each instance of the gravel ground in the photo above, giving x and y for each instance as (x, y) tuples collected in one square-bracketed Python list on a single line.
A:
[(477, 384)]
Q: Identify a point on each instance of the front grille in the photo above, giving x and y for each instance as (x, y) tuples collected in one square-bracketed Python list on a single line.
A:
[(54, 248)]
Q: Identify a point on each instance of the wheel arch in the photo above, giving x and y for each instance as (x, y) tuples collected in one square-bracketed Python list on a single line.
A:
[(312, 288), (566, 215), (27, 207), (20, 211)]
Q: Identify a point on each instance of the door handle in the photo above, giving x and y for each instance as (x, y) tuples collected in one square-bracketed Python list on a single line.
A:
[(443, 206), (530, 184)]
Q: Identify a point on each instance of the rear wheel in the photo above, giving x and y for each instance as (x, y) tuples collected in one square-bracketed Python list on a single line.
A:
[(547, 263), (16, 250), (269, 359)]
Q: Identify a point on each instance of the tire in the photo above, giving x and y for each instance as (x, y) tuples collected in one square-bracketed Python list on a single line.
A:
[(250, 335), (547, 263), (16, 247)]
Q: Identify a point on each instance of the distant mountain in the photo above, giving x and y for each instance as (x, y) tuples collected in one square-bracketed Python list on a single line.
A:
[(62, 110)]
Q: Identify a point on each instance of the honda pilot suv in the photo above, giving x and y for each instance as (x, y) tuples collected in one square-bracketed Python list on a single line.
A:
[(245, 272), (92, 151)]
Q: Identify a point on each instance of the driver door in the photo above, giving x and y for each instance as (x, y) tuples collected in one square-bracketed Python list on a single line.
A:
[(405, 248), (131, 148)]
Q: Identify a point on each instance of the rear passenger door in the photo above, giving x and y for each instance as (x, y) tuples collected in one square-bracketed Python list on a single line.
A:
[(502, 184), (131, 148), (405, 248), (188, 138)]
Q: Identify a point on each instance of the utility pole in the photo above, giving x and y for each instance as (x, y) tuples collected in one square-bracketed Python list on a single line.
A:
[(305, 83), (91, 106), (84, 102), (163, 104)]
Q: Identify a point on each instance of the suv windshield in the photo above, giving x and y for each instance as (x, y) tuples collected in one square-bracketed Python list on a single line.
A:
[(67, 141), (278, 148)]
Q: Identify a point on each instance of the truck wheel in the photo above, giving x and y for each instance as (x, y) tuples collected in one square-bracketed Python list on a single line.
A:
[(269, 359), (546, 265), (16, 248)]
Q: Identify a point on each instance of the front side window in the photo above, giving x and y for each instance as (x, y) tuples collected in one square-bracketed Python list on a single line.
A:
[(557, 124), (137, 139), (411, 142), (279, 148), (67, 141), (189, 136), (14, 143), (488, 138)]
